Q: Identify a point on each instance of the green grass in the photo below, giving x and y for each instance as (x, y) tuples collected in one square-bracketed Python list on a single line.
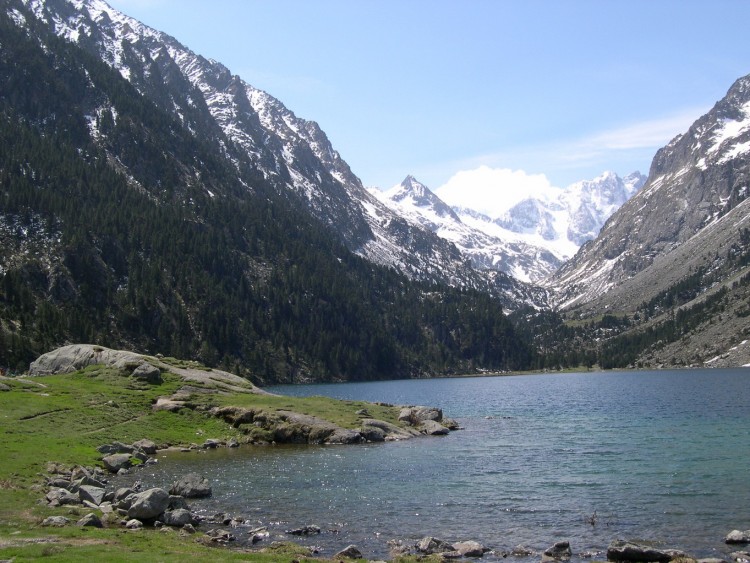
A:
[(63, 418)]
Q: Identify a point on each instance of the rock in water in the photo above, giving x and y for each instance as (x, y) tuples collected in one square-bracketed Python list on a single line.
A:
[(620, 550), (350, 552), (191, 485)]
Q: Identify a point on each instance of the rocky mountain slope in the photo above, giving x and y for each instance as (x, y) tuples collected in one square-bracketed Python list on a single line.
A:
[(533, 238), (140, 210), (681, 244), (291, 153)]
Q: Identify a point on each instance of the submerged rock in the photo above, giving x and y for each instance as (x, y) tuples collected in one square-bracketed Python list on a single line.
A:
[(620, 550)]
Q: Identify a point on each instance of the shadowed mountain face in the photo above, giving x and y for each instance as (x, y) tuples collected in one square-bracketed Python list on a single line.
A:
[(151, 200)]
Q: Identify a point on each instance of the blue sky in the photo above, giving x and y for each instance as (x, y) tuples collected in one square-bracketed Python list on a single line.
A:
[(505, 90)]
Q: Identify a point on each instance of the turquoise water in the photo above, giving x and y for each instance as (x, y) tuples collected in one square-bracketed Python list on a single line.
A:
[(659, 456)]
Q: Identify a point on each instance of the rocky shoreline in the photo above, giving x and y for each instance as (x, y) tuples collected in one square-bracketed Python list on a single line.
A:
[(93, 501)]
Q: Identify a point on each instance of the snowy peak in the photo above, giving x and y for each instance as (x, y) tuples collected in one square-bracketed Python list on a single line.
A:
[(695, 181), (411, 194)]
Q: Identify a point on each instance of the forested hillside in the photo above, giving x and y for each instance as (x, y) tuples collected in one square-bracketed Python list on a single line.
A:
[(120, 226)]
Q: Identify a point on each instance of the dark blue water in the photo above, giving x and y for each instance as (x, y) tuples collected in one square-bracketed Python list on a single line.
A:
[(659, 456)]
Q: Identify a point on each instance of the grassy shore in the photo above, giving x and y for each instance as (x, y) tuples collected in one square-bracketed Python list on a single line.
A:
[(61, 419)]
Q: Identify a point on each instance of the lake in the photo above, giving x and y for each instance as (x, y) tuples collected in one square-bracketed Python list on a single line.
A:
[(661, 456)]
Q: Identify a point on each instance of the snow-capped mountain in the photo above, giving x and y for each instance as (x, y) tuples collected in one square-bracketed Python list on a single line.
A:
[(533, 238), (688, 215), (291, 153)]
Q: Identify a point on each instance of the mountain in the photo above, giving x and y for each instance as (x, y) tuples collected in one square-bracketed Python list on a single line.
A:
[(291, 153), (673, 260), (151, 200), (533, 238)]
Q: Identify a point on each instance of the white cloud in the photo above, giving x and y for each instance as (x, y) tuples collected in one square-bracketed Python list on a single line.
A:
[(653, 133), (493, 191)]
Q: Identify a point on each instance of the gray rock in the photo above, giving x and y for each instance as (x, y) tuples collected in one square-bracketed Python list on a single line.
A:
[(304, 531), (88, 481), (211, 444), (148, 373), (61, 497), (91, 520), (122, 493), (417, 415), (561, 550), (59, 483), (432, 428), (55, 521), (191, 485), (148, 504), (620, 550), (372, 434), (91, 494), (429, 545), (233, 443), (522, 551), (349, 552), (134, 524), (77, 356), (115, 462), (738, 536), (177, 518), (176, 501), (344, 436), (740, 556), (391, 431), (146, 446), (469, 549), (4, 387)]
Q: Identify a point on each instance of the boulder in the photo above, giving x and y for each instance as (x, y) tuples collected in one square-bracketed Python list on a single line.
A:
[(91, 494), (349, 552), (561, 550), (211, 444), (122, 493), (620, 550), (88, 481), (77, 356), (115, 462), (91, 520), (737, 536), (146, 446), (233, 443), (344, 436), (61, 497), (372, 434), (148, 373), (177, 518), (59, 483), (417, 415), (469, 549), (740, 556), (391, 431), (176, 501), (148, 504), (4, 387), (432, 428), (429, 545), (134, 524), (191, 485), (55, 521)]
